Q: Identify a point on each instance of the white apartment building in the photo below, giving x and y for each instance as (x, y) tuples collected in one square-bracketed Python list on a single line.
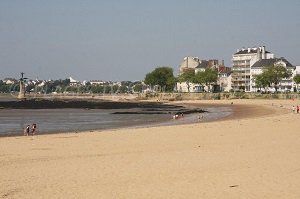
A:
[(285, 84), (241, 68)]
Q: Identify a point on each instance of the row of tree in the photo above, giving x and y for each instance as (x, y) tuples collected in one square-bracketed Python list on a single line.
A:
[(204, 78), (7, 88), (160, 76), (62, 86), (164, 77), (273, 75)]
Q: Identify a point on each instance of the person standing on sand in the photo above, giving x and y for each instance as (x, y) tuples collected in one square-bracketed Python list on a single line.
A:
[(33, 128), (298, 108), (200, 117), (294, 109), (27, 130)]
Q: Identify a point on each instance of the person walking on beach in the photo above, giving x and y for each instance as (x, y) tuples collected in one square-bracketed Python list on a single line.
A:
[(298, 108), (293, 109), (33, 128), (200, 117), (27, 130)]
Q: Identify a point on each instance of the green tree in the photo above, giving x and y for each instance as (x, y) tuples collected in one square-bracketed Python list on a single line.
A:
[(275, 73), (97, 89), (65, 82), (161, 76), (138, 87), (210, 76), (6, 88), (297, 80), (29, 87), (207, 77), (71, 89), (188, 76), (262, 80), (114, 89), (126, 83), (123, 89)]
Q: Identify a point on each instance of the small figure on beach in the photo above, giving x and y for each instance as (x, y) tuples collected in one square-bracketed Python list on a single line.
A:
[(293, 109), (298, 108), (33, 128), (176, 116), (27, 130), (200, 117)]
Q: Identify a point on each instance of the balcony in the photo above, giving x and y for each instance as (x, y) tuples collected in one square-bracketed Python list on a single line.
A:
[(241, 65), (241, 75), (240, 81), (240, 68)]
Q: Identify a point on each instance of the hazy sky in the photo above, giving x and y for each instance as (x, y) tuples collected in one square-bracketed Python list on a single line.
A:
[(125, 39)]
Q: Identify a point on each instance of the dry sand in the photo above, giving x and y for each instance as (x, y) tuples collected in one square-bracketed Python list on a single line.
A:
[(253, 154)]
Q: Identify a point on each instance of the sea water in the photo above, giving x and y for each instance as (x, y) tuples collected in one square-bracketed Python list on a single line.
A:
[(14, 121)]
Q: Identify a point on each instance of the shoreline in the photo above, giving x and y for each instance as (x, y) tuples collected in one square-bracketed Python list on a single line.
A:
[(253, 154), (120, 109), (239, 112), (189, 109)]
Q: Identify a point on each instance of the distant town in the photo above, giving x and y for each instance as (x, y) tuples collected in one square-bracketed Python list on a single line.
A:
[(252, 70)]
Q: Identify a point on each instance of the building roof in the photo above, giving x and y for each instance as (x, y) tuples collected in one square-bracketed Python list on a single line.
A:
[(203, 64), (269, 62), (73, 80), (224, 69), (246, 51)]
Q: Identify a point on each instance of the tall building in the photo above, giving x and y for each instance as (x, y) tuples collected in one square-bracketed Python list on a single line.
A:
[(241, 69)]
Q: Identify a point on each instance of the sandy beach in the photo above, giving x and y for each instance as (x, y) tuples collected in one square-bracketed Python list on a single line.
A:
[(252, 154)]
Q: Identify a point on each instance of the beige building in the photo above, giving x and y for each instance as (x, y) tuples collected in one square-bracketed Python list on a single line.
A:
[(200, 66), (224, 78), (189, 62)]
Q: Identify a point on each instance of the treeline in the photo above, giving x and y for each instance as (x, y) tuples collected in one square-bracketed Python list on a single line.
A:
[(64, 86), (125, 87), (7, 88), (271, 77), (165, 79)]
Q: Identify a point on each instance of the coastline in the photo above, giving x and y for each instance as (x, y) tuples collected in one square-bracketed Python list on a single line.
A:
[(86, 115), (211, 112), (239, 112), (252, 154)]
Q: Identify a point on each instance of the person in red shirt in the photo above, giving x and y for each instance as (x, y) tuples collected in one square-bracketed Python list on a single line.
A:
[(33, 129)]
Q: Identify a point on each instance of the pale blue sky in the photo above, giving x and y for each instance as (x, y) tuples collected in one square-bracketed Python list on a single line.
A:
[(123, 40)]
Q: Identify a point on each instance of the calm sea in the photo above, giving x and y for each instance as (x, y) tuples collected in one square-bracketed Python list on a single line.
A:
[(13, 121)]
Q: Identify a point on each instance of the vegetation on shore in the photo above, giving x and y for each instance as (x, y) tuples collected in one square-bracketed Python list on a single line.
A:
[(272, 75), (64, 86)]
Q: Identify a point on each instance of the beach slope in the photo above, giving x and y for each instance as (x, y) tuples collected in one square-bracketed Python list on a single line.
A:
[(252, 154)]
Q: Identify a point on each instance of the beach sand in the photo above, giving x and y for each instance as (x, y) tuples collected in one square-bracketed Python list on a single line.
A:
[(255, 153)]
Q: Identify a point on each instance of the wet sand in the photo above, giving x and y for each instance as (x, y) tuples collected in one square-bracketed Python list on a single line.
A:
[(252, 154)]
